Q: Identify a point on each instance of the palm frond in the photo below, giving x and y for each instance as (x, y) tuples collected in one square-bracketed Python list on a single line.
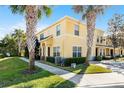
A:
[(85, 9), (17, 9), (42, 10), (47, 11)]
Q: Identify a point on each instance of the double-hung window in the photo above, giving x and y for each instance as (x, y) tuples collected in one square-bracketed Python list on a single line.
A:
[(57, 30), (41, 36), (97, 39), (101, 39), (76, 51), (76, 30), (56, 51)]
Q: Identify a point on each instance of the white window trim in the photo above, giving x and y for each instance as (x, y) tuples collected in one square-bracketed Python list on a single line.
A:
[(58, 30), (76, 30), (77, 50), (56, 50)]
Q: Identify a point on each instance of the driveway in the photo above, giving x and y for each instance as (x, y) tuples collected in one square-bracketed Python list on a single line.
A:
[(113, 79)]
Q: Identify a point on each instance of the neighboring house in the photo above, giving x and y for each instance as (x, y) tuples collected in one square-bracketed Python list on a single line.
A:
[(68, 38)]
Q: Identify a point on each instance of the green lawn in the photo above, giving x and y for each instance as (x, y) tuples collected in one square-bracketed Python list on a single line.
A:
[(82, 69), (11, 76)]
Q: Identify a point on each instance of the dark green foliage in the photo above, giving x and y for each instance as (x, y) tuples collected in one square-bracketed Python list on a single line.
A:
[(98, 58), (78, 60), (8, 45), (13, 43), (67, 61), (118, 56), (50, 59), (37, 55), (26, 52), (2, 55), (107, 58)]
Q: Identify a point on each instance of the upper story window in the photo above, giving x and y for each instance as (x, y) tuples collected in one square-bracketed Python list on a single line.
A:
[(97, 39), (76, 51), (101, 39), (56, 51), (57, 30), (41, 36), (76, 30)]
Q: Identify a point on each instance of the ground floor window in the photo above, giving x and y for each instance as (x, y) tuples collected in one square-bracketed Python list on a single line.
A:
[(76, 51), (56, 51)]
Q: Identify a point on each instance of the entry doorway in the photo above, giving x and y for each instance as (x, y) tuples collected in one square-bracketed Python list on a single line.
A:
[(96, 51), (112, 52), (48, 51), (121, 52)]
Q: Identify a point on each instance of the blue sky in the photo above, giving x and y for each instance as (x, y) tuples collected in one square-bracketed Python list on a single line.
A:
[(9, 21)]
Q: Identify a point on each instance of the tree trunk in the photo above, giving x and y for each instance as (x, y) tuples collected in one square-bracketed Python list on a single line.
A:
[(114, 55), (32, 59), (31, 22), (91, 18), (19, 48), (88, 55)]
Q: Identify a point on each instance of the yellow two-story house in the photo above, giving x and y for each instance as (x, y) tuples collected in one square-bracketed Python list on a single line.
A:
[(68, 38)]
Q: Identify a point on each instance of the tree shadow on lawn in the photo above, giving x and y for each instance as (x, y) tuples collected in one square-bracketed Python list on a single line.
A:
[(63, 84), (78, 77), (71, 76), (22, 78), (17, 79)]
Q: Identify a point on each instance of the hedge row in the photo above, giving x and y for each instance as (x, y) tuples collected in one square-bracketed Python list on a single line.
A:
[(68, 61), (99, 58), (50, 59), (78, 60)]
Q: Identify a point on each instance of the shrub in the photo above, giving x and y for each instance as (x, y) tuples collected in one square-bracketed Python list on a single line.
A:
[(78, 60), (118, 56), (98, 58), (67, 61), (50, 59), (26, 52), (37, 57), (2, 56), (105, 58)]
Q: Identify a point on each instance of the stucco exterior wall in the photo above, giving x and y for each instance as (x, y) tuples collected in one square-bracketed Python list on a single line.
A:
[(66, 40)]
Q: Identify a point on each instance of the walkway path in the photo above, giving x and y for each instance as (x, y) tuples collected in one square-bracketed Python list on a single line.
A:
[(114, 66), (85, 80)]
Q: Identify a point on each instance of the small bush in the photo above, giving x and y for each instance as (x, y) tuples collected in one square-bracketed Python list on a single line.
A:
[(98, 58), (118, 56), (37, 57), (107, 58), (50, 59), (78, 60), (2, 56)]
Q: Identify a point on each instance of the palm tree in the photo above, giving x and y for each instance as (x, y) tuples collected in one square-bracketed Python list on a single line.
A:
[(32, 14), (89, 12), (20, 38)]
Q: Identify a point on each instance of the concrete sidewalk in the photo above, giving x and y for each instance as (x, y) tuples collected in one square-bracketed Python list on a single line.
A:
[(84, 80)]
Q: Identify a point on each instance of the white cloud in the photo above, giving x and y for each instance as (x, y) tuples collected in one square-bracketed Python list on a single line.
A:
[(4, 30), (20, 25)]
